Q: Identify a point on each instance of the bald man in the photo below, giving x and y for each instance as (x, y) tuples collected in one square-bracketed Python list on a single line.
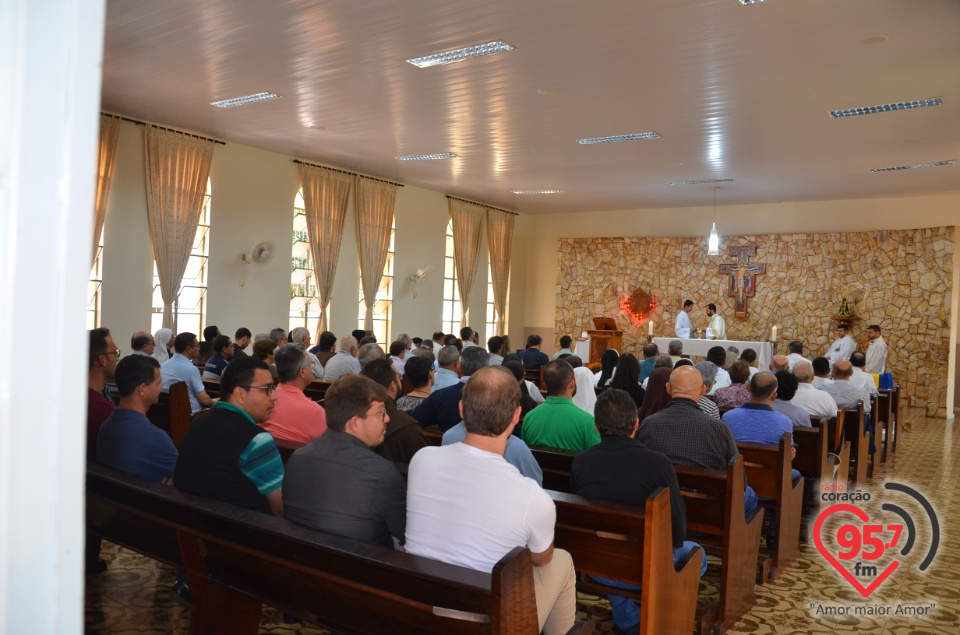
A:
[(778, 363), (687, 435), (846, 394)]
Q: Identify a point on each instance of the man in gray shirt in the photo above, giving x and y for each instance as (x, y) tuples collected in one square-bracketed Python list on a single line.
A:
[(344, 362), (337, 483)]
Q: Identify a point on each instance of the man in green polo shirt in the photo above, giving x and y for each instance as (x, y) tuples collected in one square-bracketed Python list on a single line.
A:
[(558, 422)]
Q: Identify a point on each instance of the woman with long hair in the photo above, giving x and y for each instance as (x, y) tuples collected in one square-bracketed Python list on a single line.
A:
[(656, 397), (627, 378)]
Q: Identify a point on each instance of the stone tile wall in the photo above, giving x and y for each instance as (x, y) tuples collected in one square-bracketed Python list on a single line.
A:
[(899, 279)]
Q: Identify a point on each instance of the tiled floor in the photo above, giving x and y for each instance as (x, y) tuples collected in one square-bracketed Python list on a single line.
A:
[(133, 595)]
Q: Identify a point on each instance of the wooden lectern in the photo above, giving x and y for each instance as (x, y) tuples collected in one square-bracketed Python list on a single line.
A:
[(603, 337)]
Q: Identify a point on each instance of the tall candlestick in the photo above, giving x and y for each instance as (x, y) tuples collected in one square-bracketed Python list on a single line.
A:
[(773, 334), (650, 328)]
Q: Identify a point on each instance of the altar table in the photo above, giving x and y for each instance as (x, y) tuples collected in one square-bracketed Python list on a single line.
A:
[(700, 347)]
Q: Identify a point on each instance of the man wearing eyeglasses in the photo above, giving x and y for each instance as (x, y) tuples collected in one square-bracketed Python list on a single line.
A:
[(338, 483), (225, 455), (104, 356), (295, 417)]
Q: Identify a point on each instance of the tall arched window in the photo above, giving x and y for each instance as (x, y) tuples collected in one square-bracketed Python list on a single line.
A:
[(304, 305), (95, 288), (492, 317), (452, 311), (190, 308), (383, 309)]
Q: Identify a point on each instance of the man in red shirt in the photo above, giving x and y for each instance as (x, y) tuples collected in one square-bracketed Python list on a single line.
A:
[(104, 356), (295, 416)]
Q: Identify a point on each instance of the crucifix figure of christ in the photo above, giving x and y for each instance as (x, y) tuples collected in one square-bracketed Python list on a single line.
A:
[(742, 274)]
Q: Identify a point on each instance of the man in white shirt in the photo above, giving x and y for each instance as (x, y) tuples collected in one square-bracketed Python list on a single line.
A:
[(719, 357), (796, 354), (821, 372), (683, 324), (842, 347), (717, 328), (301, 336), (437, 342), (485, 506), (816, 402), (859, 378), (876, 351)]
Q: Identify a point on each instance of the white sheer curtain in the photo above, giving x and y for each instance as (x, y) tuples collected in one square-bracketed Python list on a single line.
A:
[(106, 157), (467, 230), (375, 205), (177, 167), (325, 196), (500, 246)]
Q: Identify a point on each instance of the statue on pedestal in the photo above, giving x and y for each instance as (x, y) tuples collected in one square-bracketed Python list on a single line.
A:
[(844, 310)]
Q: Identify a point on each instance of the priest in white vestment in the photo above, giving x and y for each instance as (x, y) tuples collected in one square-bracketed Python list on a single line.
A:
[(683, 325), (842, 347), (876, 351), (717, 328)]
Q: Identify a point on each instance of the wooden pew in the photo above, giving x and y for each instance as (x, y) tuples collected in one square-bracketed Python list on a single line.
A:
[(769, 472), (897, 405), (236, 560), (853, 431), (317, 389), (635, 545), (713, 510), (212, 388), (813, 450), (172, 412), (434, 436), (715, 507), (884, 407)]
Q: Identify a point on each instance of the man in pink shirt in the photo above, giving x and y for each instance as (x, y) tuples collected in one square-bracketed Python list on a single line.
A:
[(295, 416)]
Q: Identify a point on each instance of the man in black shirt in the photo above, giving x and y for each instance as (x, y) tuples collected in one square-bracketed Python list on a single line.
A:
[(621, 470)]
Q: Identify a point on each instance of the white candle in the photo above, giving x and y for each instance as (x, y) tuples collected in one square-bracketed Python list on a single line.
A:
[(650, 328), (773, 334)]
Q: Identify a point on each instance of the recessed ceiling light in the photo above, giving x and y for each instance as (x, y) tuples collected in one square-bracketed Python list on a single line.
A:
[(701, 181), (523, 192), (243, 101), (746, 2), (478, 50), (427, 157), (620, 137), (913, 167), (871, 110)]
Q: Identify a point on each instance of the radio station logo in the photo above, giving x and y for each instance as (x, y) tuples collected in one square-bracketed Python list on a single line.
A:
[(863, 540)]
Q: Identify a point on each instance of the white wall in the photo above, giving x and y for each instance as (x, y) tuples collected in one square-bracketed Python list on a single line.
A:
[(253, 193)]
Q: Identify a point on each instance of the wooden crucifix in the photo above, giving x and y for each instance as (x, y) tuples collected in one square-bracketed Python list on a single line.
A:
[(742, 278)]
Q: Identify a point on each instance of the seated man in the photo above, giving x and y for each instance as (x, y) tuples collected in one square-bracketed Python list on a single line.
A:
[(369, 352), (778, 363), (815, 402), (860, 378), (295, 416), (223, 352), (821, 372), (708, 371), (756, 421), (338, 483), (846, 395), (266, 350), (532, 357), (675, 351), (128, 441), (495, 348), (558, 422), (398, 355), (404, 436), (650, 353), (796, 354), (180, 367), (142, 343), (345, 361), (301, 336), (225, 455), (718, 356), (448, 368), (487, 508), (688, 436), (565, 342), (622, 470), (104, 356), (241, 340), (442, 408), (210, 333), (786, 390), (326, 347), (279, 336), (749, 356)]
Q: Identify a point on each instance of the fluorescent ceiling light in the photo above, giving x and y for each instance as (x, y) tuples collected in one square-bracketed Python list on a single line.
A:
[(538, 191), (243, 101), (746, 2), (701, 181), (478, 50), (913, 167), (872, 110), (427, 157), (620, 137)]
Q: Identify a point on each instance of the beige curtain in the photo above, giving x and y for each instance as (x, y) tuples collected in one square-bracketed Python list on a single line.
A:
[(500, 246), (375, 204), (177, 167), (467, 231), (325, 196), (109, 133)]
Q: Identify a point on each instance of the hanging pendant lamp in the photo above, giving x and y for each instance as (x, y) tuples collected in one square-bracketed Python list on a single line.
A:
[(713, 243)]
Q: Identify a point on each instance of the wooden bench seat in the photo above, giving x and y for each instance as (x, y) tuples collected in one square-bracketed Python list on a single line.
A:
[(635, 545), (813, 451), (769, 472), (855, 433), (172, 413), (236, 560)]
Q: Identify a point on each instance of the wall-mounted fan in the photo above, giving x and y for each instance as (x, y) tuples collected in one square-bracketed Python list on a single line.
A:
[(261, 253), (418, 277)]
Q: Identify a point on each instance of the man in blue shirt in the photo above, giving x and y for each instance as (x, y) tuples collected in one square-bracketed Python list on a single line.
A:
[(128, 441), (532, 357), (223, 352), (180, 367), (448, 368)]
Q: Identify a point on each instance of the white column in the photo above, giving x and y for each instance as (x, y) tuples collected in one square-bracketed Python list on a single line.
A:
[(50, 56)]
